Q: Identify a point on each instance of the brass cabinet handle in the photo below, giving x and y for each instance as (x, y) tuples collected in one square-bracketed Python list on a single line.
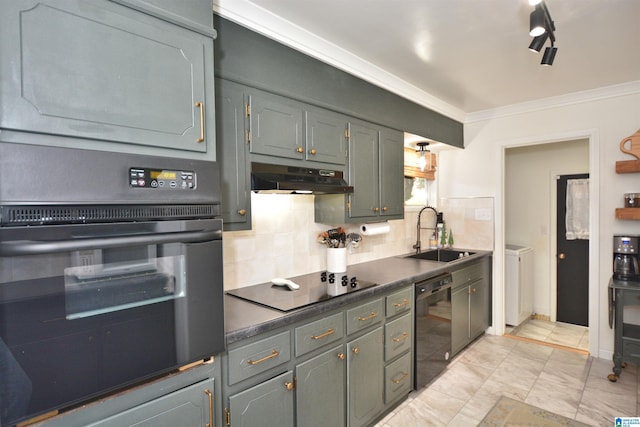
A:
[(274, 353), (402, 378), (341, 356), (371, 316), (242, 212), (290, 385), (384, 209), (562, 256), (402, 337), (401, 304), (210, 396), (201, 106), (313, 151), (300, 150), (376, 209), (326, 334), (355, 350)]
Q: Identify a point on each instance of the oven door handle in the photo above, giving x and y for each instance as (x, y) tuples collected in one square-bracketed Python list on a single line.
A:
[(41, 247)]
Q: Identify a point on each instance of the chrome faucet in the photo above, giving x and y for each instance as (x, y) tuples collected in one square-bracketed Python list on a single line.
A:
[(438, 219)]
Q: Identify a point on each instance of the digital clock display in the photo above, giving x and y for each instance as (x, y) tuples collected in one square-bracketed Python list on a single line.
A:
[(156, 174)]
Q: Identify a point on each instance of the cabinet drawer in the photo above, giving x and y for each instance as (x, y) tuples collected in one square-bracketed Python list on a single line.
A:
[(468, 274), (630, 350), (259, 356), (397, 378), (316, 334), (397, 337), (190, 407), (399, 302), (364, 316)]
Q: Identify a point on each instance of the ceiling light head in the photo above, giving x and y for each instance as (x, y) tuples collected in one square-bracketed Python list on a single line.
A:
[(538, 42), (537, 24), (422, 149), (549, 55)]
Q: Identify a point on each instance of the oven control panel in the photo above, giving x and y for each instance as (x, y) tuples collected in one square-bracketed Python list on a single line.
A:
[(163, 179)]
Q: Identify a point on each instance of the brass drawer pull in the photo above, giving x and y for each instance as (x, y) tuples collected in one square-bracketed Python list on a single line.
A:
[(242, 212), (326, 334), (401, 304), (274, 353), (402, 337), (401, 379), (300, 150), (341, 356), (371, 316), (355, 350), (290, 385), (210, 396), (201, 106)]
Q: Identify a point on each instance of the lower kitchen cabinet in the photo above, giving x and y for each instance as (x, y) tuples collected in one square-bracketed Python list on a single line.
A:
[(190, 407), (320, 391), (365, 377), (469, 304), (334, 369), (268, 403)]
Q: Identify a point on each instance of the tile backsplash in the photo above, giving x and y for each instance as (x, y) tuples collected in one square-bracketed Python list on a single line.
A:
[(283, 238)]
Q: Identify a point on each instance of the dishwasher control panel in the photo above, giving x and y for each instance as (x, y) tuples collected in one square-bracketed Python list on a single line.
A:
[(433, 284)]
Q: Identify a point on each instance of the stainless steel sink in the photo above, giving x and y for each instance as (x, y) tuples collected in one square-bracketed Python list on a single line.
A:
[(442, 255)]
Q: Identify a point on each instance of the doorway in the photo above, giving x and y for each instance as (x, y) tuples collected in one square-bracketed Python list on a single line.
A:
[(530, 216)]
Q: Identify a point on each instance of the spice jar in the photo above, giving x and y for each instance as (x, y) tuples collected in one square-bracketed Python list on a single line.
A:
[(632, 200)]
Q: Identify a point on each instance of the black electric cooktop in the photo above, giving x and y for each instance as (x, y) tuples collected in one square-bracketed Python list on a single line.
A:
[(314, 287)]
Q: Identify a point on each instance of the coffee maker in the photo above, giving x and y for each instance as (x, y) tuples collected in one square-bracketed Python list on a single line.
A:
[(626, 264)]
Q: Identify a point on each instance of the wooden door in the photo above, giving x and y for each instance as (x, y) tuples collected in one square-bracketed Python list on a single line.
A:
[(572, 265)]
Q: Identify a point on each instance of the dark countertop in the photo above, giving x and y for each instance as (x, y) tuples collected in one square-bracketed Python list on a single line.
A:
[(244, 319)]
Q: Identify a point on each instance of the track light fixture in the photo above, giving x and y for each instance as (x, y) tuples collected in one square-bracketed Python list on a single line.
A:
[(541, 28)]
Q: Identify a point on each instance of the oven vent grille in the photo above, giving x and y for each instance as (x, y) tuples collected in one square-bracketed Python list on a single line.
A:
[(45, 215)]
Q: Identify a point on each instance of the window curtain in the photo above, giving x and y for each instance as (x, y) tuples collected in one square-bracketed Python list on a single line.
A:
[(577, 218)]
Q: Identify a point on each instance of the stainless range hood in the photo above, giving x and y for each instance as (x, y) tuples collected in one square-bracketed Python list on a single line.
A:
[(266, 178)]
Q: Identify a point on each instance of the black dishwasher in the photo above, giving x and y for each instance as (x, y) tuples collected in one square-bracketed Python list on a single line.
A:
[(432, 328)]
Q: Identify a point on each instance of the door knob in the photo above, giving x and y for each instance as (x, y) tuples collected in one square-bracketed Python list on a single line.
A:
[(562, 256)]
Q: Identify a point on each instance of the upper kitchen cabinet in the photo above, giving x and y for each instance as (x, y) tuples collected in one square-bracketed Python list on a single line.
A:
[(275, 126), (232, 155), (376, 165), (326, 136), (109, 76), (282, 127)]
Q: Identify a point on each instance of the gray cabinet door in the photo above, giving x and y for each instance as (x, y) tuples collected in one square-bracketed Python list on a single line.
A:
[(190, 407), (478, 308), (320, 390), (275, 126), (98, 70), (232, 156), (268, 403), (363, 171), (325, 137), (391, 174), (459, 319), (365, 371)]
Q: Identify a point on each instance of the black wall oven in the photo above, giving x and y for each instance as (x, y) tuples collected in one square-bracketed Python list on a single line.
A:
[(110, 273)]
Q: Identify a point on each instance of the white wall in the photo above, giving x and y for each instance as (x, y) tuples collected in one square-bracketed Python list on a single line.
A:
[(530, 199), (479, 171)]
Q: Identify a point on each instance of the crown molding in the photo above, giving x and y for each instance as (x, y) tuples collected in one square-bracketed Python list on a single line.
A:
[(262, 21), (614, 91)]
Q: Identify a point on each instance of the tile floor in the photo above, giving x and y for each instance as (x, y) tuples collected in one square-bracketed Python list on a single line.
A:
[(565, 382), (557, 333)]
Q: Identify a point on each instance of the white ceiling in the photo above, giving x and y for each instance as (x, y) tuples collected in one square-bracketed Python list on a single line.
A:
[(457, 56)]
